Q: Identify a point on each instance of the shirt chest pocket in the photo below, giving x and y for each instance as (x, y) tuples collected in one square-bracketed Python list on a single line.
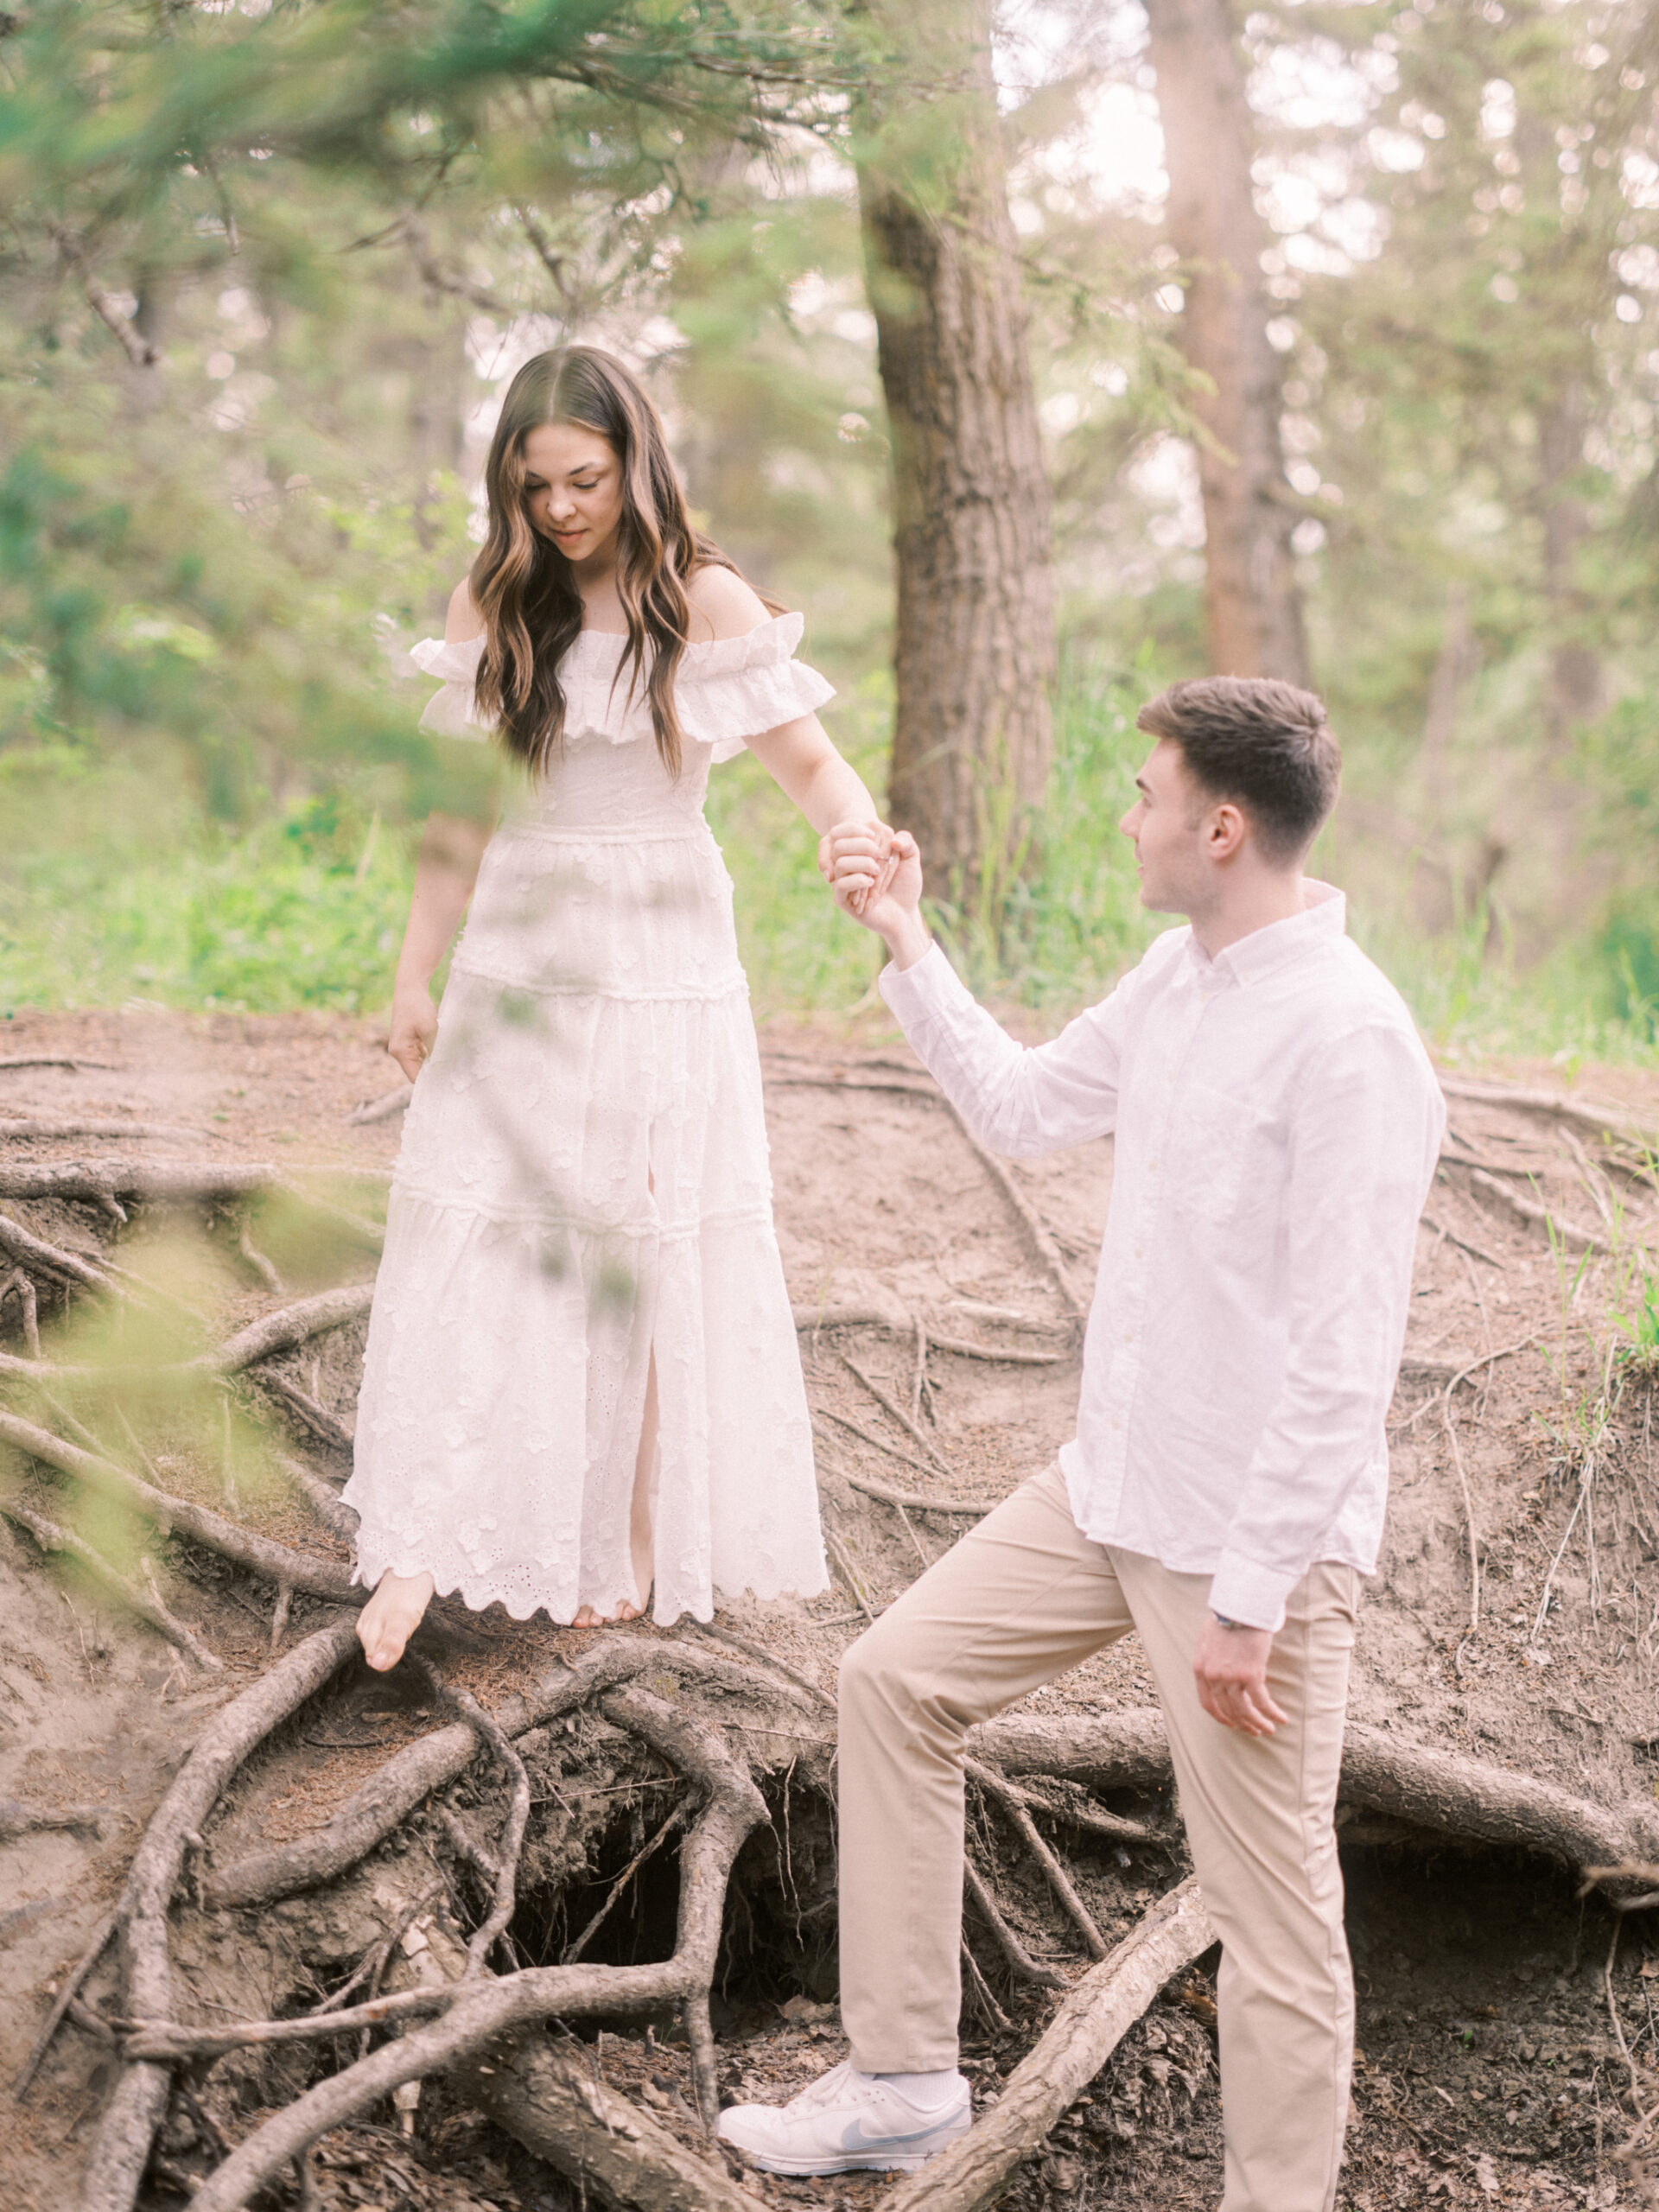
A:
[(1220, 1165)]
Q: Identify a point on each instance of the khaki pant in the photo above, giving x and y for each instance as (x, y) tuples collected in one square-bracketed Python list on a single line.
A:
[(1018, 1601)]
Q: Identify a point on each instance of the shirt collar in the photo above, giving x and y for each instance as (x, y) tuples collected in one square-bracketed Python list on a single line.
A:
[(1280, 944)]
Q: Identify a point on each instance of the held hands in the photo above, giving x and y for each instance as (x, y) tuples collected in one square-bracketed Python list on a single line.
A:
[(414, 1027), (875, 874), (1231, 1665)]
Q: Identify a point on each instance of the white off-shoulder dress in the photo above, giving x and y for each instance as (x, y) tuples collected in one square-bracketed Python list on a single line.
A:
[(584, 1182)]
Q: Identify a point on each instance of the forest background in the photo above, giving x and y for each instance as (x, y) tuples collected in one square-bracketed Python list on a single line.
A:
[(266, 271)]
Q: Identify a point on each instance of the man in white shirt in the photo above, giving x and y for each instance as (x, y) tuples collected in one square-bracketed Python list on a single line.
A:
[(1277, 1125)]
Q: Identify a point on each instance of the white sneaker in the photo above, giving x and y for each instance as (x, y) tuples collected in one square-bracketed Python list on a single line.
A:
[(842, 2123)]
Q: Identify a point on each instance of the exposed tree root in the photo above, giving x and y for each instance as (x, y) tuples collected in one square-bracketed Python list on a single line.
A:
[(149, 1606), (35, 1252), (47, 1126), (548, 2095), (391, 1793), (731, 1806), (1036, 1234), (1437, 1790), (1599, 1121), (1088, 2027), (289, 1326), (915, 1501), (809, 1320), (383, 1107), (279, 1563), (138, 2103), (1567, 1233)]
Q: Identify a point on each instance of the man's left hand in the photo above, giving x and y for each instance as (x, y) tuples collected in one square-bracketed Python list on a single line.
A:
[(1230, 1666)]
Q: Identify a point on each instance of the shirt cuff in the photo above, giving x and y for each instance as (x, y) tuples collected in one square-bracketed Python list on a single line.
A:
[(915, 992), (1253, 1596)]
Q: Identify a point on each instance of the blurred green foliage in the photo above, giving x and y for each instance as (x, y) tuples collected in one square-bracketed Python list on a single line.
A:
[(340, 230)]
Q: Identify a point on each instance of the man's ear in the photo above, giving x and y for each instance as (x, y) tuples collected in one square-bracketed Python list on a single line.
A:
[(1224, 832)]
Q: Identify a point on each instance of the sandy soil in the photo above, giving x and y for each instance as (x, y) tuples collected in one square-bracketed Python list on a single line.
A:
[(1489, 2072)]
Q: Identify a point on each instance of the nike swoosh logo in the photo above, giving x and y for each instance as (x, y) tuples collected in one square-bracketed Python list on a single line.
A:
[(853, 2137)]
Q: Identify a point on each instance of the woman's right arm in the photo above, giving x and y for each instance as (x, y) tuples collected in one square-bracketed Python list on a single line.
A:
[(451, 847)]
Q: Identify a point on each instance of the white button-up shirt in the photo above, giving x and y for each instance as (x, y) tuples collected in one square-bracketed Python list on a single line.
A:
[(1277, 1127)]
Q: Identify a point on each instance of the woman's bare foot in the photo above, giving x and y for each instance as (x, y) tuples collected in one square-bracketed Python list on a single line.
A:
[(391, 1616)]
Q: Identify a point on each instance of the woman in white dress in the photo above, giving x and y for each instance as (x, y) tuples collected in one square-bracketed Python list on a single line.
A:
[(581, 1380)]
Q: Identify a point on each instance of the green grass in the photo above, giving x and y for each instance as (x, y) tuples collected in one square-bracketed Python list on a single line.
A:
[(115, 885)]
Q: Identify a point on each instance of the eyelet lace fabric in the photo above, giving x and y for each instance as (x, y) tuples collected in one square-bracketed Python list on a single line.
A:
[(584, 1182)]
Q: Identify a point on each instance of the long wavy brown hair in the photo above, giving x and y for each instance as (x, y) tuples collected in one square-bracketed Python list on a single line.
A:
[(524, 587)]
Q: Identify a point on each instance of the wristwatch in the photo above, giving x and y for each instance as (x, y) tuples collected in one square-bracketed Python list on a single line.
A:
[(1221, 1621)]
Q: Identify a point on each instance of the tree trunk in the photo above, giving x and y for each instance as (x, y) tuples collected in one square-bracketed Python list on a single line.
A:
[(975, 655), (1253, 607)]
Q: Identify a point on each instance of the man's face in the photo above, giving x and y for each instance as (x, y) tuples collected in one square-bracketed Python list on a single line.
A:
[(1168, 825)]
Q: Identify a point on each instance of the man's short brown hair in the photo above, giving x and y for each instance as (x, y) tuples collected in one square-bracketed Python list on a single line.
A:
[(1261, 743)]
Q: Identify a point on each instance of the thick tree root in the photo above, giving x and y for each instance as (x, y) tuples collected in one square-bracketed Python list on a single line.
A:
[(279, 1563), (482, 2011), (396, 1788), (69, 1267), (1083, 2035), (547, 2095), (1464, 1798), (290, 1327), (127, 2129)]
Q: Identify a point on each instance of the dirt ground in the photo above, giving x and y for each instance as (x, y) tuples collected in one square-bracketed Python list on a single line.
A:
[(1489, 2072)]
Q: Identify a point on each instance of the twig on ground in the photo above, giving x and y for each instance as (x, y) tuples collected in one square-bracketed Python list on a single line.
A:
[(1009, 1943), (890, 1407), (916, 1501), (618, 1889), (67, 1994), (57, 1126), (1451, 1427), (1462, 1375), (866, 1436), (838, 1552), (1478, 1251), (49, 1060), (52, 1538)]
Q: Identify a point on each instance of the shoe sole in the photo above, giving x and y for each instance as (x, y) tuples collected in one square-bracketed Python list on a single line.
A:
[(848, 2162)]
